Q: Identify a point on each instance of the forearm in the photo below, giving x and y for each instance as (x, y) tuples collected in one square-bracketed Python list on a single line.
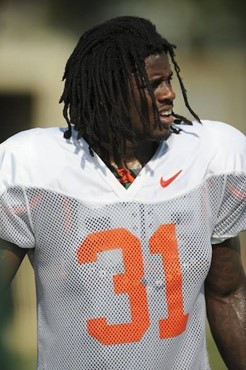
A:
[(227, 319)]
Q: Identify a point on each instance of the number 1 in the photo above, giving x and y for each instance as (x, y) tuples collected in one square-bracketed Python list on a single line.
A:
[(164, 241)]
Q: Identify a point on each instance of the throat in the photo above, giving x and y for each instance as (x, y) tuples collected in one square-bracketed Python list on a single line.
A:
[(134, 165), (137, 156)]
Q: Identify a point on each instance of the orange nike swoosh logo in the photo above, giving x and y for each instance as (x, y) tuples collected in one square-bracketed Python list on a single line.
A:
[(165, 183)]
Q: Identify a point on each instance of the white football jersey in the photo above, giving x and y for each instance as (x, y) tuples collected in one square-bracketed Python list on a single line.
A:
[(120, 272)]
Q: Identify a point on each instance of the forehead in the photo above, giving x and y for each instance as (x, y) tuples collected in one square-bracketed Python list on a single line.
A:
[(157, 65)]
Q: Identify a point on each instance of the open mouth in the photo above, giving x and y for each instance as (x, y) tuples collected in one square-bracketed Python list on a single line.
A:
[(166, 117), (166, 113)]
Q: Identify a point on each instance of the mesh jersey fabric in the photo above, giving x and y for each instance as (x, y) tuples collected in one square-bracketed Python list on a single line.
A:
[(120, 272)]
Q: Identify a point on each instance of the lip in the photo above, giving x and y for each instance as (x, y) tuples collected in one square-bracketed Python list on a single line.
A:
[(168, 120), (166, 108)]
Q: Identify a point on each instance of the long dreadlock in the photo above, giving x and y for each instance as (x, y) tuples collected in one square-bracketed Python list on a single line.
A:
[(98, 82)]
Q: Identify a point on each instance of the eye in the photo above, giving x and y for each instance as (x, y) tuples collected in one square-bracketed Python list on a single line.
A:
[(154, 84), (169, 79)]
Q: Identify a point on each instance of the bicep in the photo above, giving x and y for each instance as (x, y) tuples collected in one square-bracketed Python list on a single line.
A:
[(11, 257), (226, 272)]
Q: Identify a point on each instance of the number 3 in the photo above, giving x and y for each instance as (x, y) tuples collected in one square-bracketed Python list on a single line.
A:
[(164, 242)]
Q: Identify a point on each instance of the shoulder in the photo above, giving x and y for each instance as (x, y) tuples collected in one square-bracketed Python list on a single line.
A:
[(224, 134), (41, 158), (217, 132), (223, 145), (30, 139), (23, 155)]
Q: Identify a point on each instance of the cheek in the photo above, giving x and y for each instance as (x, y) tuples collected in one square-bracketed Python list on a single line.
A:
[(145, 106), (148, 111)]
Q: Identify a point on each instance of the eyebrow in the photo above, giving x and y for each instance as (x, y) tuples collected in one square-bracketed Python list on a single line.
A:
[(161, 77)]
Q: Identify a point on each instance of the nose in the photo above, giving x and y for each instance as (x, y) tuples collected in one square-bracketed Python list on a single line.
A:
[(165, 92)]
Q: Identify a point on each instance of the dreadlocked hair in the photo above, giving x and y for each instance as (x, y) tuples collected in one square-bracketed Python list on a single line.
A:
[(98, 82)]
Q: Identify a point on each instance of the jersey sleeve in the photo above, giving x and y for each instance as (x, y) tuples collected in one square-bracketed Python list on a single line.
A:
[(229, 166), (15, 222)]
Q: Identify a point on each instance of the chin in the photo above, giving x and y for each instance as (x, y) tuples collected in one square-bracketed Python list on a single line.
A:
[(160, 135), (155, 135)]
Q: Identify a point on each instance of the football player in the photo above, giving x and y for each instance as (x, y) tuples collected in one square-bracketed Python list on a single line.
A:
[(133, 214)]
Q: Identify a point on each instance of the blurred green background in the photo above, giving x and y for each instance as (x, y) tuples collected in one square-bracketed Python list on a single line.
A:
[(36, 38)]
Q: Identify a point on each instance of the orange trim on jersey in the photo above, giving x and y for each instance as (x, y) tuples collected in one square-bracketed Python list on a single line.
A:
[(20, 209), (237, 193)]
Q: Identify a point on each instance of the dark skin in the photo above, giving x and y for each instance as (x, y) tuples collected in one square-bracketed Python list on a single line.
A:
[(225, 290), (159, 74), (225, 286)]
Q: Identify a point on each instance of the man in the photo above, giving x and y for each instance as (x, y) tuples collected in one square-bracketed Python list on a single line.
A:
[(129, 216)]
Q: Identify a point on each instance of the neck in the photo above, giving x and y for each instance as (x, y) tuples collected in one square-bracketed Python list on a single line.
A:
[(137, 155)]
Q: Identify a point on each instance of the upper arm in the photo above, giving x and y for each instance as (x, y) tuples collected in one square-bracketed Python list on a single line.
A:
[(226, 272), (11, 257)]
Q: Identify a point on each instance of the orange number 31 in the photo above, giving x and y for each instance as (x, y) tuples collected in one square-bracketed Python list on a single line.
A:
[(163, 242)]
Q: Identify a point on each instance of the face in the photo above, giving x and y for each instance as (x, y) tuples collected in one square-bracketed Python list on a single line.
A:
[(159, 74)]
